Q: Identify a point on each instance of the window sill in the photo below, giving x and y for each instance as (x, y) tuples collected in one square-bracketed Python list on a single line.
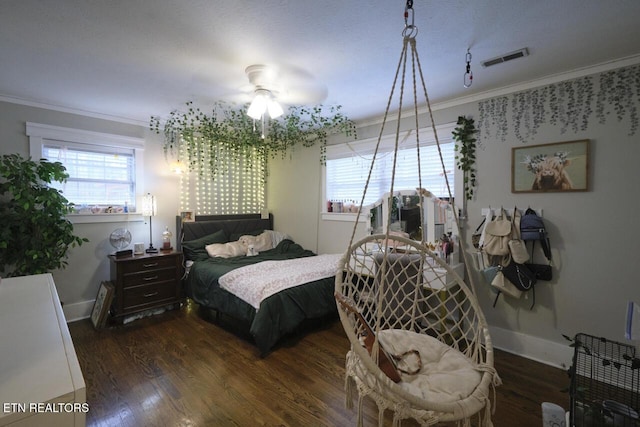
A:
[(346, 217), (104, 218)]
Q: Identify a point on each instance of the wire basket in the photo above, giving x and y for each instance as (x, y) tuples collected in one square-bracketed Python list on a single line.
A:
[(605, 377)]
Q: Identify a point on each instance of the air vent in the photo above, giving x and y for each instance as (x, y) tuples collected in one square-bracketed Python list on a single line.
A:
[(506, 57)]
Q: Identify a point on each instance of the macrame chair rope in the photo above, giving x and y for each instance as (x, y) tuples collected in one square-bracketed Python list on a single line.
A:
[(402, 291)]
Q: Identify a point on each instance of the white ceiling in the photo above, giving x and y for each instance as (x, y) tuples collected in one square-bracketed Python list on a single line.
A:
[(133, 59)]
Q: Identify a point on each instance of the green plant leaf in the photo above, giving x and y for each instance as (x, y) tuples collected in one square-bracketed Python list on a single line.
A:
[(36, 235), (463, 134), (228, 128)]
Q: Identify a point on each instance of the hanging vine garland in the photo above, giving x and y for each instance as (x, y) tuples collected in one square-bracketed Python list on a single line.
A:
[(568, 104), (619, 89), (229, 131), (493, 115)]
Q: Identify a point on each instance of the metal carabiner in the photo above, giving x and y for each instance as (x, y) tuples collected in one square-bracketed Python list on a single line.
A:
[(467, 79), (410, 30)]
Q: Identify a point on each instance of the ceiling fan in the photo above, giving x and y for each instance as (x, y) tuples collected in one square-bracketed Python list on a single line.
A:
[(274, 85)]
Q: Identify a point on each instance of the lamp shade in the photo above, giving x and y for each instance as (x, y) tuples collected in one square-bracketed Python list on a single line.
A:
[(149, 205), (177, 167), (274, 108), (258, 106), (264, 102)]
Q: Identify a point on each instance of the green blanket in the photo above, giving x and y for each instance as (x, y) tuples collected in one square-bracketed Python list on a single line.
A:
[(279, 314)]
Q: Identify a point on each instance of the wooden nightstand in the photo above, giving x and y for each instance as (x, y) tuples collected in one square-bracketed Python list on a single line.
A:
[(146, 281)]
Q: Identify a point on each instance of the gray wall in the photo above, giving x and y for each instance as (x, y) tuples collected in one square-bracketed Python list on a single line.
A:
[(88, 265), (593, 234)]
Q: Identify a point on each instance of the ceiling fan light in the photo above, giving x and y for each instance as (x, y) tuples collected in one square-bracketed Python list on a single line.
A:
[(258, 106), (274, 108)]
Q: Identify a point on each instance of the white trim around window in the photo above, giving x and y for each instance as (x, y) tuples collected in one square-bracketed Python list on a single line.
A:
[(39, 134), (359, 148)]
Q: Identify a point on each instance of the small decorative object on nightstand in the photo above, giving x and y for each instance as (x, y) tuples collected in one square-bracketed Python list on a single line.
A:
[(166, 239), (144, 282)]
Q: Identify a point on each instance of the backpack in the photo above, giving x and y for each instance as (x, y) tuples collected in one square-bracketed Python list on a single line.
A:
[(532, 228)]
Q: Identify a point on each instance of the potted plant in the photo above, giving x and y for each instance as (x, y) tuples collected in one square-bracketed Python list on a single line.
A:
[(464, 135), (35, 235)]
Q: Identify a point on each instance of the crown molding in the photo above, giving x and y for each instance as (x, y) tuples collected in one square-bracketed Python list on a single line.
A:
[(54, 107), (551, 79), (519, 87)]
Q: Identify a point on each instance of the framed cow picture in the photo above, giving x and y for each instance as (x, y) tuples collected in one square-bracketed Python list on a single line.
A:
[(560, 166)]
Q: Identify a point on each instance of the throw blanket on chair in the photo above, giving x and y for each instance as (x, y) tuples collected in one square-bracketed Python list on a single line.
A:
[(255, 283)]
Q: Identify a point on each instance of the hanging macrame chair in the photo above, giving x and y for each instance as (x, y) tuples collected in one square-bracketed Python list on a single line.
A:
[(420, 344)]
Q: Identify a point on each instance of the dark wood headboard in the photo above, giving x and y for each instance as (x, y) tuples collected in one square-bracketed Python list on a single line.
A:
[(231, 224)]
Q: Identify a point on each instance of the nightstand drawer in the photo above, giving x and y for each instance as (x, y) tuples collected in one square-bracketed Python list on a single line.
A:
[(146, 264), (146, 281), (148, 294), (149, 277)]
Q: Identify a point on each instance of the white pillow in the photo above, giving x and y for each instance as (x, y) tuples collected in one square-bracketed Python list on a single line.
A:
[(276, 237)]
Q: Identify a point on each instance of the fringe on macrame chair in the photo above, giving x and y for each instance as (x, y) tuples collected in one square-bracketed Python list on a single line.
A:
[(420, 344)]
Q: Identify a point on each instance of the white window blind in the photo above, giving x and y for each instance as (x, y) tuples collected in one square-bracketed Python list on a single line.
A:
[(346, 177), (98, 175), (104, 169)]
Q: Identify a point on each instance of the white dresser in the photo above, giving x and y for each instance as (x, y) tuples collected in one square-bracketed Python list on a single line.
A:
[(41, 383)]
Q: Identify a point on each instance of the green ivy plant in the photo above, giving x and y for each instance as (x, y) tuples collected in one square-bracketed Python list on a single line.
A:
[(464, 135), (35, 236), (568, 104), (228, 128)]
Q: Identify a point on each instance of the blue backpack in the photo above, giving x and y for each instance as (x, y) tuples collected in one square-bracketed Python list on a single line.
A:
[(532, 228)]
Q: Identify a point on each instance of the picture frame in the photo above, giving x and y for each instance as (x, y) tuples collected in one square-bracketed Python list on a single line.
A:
[(554, 167), (102, 304), (187, 216)]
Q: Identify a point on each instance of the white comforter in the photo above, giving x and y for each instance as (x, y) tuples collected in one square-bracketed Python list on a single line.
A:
[(256, 282)]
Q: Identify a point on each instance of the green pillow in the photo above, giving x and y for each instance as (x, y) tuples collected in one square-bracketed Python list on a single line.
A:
[(195, 249)]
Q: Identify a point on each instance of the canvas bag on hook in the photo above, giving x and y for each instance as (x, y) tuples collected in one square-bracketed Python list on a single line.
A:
[(497, 235)]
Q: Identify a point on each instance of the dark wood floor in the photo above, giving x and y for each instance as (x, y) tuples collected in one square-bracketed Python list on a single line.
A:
[(176, 369)]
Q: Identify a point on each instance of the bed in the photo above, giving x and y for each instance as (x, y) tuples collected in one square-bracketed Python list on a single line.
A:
[(279, 314)]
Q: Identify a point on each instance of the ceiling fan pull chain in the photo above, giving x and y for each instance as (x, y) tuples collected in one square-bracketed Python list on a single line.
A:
[(468, 76)]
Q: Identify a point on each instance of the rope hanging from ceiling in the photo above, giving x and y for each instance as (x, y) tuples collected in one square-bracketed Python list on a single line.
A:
[(404, 309)]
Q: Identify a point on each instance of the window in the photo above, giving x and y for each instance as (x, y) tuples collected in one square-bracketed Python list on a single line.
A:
[(348, 166), (103, 168), (98, 175)]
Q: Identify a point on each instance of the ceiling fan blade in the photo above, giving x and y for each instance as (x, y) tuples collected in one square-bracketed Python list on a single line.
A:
[(289, 84), (303, 95)]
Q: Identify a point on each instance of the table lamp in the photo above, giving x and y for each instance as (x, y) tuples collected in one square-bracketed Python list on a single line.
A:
[(149, 209)]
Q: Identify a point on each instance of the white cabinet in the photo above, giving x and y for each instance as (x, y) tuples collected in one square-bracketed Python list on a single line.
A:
[(41, 383)]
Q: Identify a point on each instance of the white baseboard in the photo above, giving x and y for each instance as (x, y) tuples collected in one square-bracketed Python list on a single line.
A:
[(548, 352), (78, 311)]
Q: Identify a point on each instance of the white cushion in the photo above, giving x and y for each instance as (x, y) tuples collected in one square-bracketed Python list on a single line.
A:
[(446, 376)]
